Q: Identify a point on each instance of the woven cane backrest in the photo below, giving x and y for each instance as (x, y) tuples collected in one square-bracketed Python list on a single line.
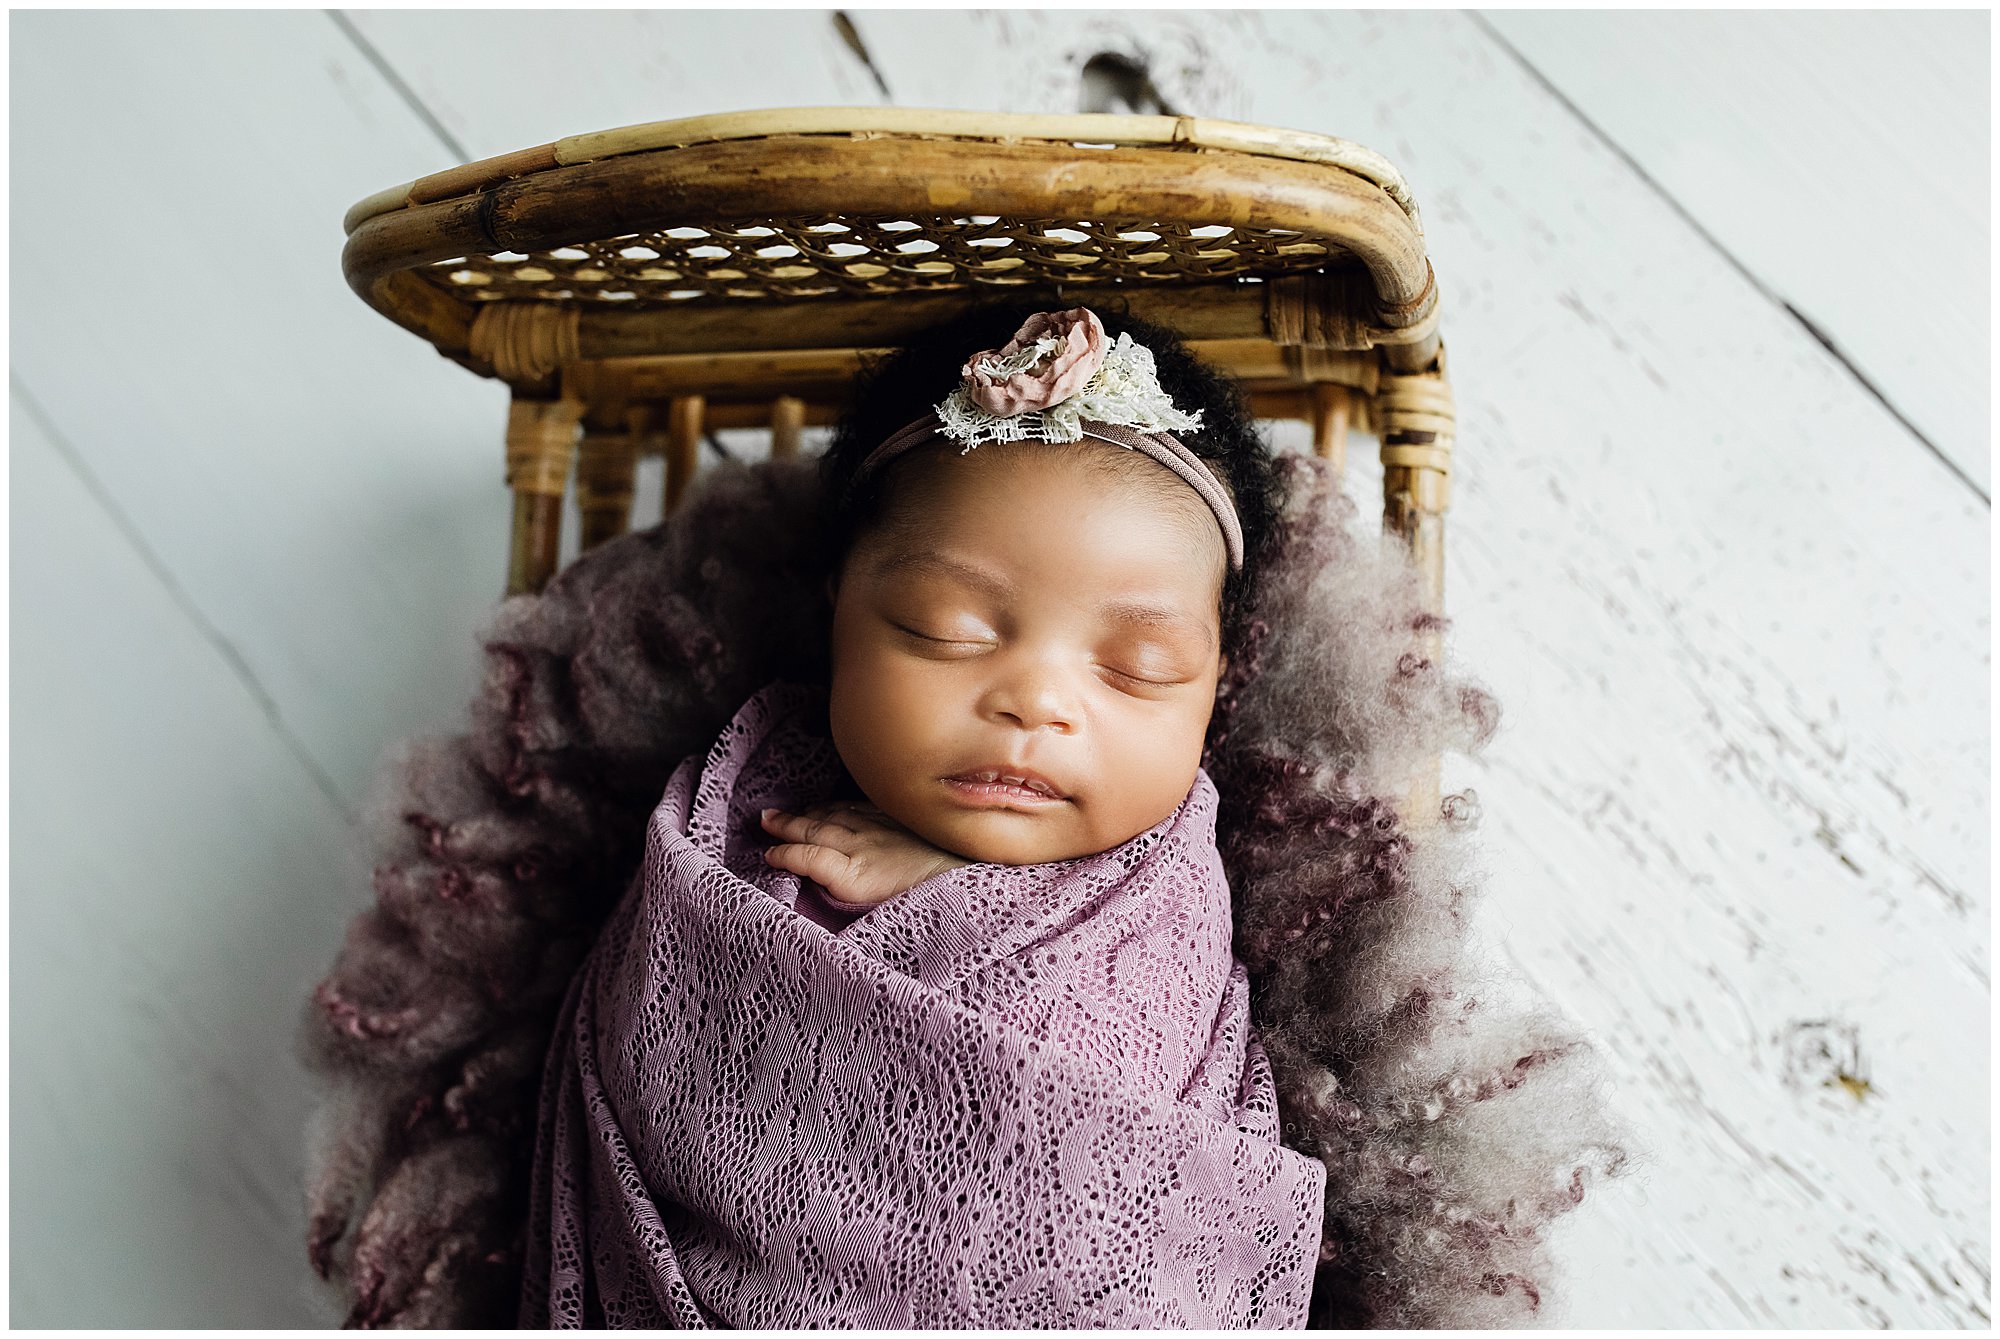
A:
[(792, 258)]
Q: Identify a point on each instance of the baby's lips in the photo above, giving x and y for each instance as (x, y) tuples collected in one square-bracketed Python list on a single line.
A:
[(1051, 790)]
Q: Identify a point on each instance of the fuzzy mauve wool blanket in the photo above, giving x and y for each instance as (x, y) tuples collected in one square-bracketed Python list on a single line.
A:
[(1010, 1097), (1457, 1117)]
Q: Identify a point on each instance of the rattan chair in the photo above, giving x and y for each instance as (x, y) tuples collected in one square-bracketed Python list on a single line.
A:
[(637, 287)]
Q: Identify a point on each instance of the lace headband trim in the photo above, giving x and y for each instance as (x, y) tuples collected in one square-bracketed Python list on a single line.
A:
[(1060, 379)]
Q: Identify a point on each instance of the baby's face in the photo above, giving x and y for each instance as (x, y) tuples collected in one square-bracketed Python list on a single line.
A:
[(1034, 614)]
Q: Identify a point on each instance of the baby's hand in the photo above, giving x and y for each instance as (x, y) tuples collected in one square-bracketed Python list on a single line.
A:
[(860, 855)]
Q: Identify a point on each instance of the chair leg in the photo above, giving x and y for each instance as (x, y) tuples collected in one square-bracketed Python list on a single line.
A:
[(1417, 427), (684, 415), (605, 473), (541, 446), (1330, 412), (1416, 471), (788, 420)]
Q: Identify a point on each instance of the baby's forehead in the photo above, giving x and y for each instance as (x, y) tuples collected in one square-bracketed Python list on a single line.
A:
[(948, 494)]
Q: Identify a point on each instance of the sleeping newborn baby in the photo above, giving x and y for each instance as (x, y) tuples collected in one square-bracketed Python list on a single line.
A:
[(968, 1047)]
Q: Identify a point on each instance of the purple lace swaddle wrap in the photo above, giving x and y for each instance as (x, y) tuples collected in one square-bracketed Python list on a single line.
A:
[(1009, 1097)]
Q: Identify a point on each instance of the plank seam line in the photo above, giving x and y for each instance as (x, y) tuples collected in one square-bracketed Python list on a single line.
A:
[(1819, 336), (395, 81), (209, 632), (851, 37)]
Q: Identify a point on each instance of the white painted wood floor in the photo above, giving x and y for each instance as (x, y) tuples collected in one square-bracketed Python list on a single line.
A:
[(1716, 294)]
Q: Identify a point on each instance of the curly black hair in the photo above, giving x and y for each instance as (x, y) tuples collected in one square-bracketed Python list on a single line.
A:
[(897, 387)]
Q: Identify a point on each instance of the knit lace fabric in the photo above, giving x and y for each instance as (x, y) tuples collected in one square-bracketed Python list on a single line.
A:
[(1009, 1097)]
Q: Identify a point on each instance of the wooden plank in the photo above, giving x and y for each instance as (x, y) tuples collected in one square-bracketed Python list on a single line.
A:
[(325, 487), (1738, 618), (1842, 157), (502, 80), (177, 881), (324, 495)]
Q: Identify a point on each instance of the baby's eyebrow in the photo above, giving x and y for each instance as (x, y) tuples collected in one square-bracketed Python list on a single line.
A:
[(1136, 612), (929, 561), (1155, 616)]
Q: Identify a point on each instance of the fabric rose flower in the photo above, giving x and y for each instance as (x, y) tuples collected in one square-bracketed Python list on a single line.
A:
[(1055, 376)]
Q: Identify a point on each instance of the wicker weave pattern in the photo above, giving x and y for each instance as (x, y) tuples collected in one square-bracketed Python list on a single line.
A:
[(862, 257)]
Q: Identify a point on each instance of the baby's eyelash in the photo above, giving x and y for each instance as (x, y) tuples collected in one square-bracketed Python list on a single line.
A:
[(1150, 683), (941, 641), (959, 641)]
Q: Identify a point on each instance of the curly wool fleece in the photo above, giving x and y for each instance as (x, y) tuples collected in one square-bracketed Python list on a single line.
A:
[(1452, 1136)]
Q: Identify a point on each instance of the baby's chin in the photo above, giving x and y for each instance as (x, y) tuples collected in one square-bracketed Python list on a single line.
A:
[(1008, 837)]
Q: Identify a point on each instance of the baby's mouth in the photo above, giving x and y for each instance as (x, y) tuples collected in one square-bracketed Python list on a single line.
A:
[(997, 784)]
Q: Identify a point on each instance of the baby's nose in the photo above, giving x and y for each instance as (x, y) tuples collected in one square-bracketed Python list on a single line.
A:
[(1036, 688)]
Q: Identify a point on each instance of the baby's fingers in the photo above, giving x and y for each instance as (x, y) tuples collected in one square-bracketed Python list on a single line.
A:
[(825, 866), (807, 828), (820, 863)]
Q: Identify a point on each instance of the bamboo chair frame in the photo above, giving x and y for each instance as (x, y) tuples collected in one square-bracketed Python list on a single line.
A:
[(638, 286)]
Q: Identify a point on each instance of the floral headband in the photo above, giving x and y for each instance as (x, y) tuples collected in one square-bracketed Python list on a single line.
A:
[(1060, 380)]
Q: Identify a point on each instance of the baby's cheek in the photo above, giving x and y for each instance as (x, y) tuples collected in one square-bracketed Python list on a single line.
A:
[(1145, 795)]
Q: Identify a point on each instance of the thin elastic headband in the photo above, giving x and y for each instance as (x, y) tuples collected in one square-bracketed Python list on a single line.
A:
[(1163, 447)]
